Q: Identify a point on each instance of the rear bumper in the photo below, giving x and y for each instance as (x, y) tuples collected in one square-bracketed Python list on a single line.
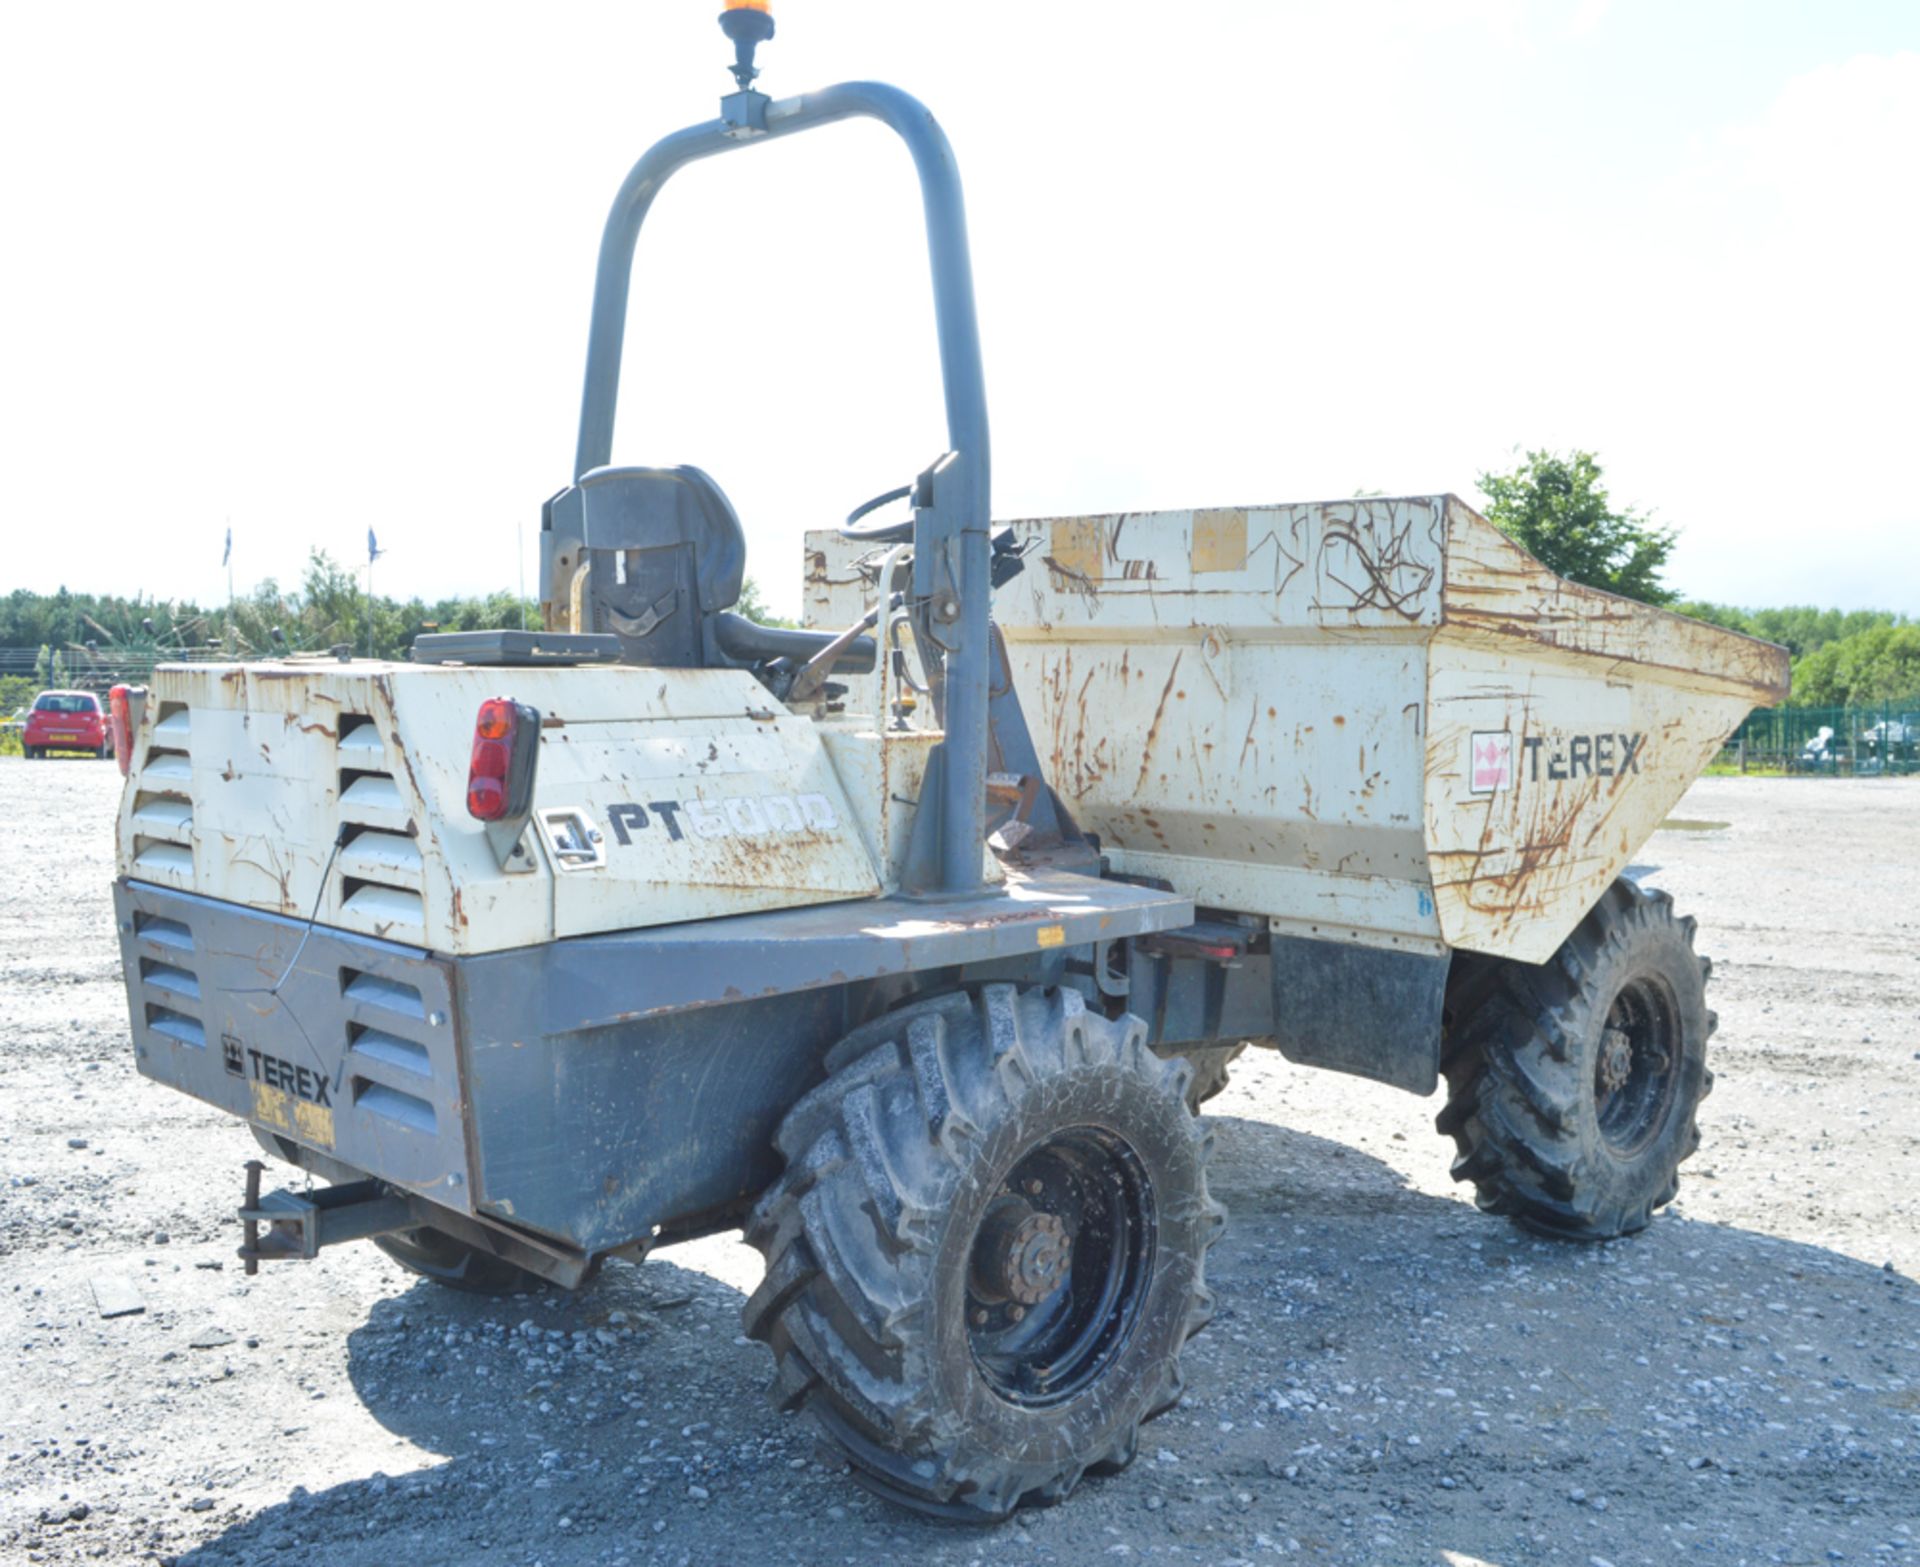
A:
[(341, 1044), (520, 1092), (581, 1094)]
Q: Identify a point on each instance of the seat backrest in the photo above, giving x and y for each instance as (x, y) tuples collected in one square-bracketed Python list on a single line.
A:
[(667, 552)]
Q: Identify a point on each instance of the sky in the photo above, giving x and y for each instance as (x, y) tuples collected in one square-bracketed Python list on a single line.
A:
[(305, 270)]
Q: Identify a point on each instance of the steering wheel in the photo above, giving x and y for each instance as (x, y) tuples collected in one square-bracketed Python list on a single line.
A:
[(900, 531)]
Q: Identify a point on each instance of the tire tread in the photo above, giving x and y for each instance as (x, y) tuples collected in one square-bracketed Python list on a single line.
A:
[(1511, 1066)]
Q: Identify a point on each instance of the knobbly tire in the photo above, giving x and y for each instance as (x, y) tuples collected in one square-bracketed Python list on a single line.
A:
[(1210, 1064), (1572, 1085), (987, 1249), (435, 1255)]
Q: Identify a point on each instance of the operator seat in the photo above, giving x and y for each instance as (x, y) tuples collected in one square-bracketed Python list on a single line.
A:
[(665, 559), (666, 555)]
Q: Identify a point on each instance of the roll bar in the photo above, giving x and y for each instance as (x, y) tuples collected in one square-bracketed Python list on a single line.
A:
[(952, 499)]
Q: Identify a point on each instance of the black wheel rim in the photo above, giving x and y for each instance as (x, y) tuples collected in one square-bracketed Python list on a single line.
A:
[(1636, 1071), (1059, 1267)]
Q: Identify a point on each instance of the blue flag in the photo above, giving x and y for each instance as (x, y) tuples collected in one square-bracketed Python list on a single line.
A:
[(227, 554), (374, 552)]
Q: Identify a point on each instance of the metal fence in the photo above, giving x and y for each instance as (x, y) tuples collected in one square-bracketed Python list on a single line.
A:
[(1848, 742), (96, 669)]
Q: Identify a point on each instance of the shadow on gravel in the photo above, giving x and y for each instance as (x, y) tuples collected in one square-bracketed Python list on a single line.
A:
[(1258, 1167), (628, 1423)]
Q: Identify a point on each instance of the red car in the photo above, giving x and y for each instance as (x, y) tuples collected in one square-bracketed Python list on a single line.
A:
[(66, 721)]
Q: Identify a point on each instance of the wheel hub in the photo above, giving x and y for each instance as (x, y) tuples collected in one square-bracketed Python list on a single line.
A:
[(1060, 1266), (1023, 1255), (1616, 1060), (1637, 1068)]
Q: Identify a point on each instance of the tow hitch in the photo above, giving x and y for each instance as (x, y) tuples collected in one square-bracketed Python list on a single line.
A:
[(300, 1223)]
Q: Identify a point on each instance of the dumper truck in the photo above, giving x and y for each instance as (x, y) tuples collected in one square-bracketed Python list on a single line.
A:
[(910, 940)]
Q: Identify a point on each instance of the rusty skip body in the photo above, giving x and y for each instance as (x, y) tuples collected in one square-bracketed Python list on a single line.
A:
[(1375, 721)]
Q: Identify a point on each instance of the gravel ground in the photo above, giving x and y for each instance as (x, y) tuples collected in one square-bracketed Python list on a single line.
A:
[(1391, 1378)]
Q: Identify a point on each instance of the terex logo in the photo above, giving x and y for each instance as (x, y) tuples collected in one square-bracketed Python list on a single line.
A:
[(288, 1078), (739, 816), (1581, 755), (1491, 764)]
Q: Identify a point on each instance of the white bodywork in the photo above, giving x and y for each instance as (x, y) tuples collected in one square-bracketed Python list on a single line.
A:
[(243, 775), (1276, 710), (1375, 722)]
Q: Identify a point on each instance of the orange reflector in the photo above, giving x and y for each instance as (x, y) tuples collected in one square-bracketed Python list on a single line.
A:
[(496, 720), (749, 5)]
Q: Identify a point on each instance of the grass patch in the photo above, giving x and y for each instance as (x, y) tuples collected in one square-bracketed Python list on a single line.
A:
[(1754, 770)]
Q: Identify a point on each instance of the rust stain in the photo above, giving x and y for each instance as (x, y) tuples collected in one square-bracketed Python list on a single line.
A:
[(1069, 577), (1495, 589), (1246, 745), (1153, 729)]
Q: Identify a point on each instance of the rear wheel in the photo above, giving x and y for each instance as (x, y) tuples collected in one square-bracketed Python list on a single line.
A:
[(31, 752), (987, 1249), (435, 1255), (1572, 1085)]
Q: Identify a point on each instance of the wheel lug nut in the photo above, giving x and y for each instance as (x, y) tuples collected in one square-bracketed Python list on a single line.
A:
[(1034, 1188), (1018, 1313), (980, 1316)]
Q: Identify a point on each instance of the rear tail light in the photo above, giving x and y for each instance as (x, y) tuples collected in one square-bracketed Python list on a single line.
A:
[(506, 744), (120, 723)]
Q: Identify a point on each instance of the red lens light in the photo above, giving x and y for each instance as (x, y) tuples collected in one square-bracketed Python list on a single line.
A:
[(491, 759), (486, 799), (500, 768), (120, 721)]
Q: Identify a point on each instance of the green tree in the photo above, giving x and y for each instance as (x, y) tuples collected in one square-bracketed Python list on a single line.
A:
[(1805, 629), (754, 607), (1729, 617), (1556, 509), (330, 606), (1880, 664)]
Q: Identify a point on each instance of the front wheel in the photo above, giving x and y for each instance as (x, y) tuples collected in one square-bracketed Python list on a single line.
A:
[(1572, 1085), (987, 1249)]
